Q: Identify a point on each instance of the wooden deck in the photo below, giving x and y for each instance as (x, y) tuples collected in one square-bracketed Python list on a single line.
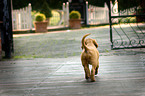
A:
[(118, 76)]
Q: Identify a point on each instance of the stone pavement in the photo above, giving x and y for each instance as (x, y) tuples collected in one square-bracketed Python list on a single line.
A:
[(121, 72)]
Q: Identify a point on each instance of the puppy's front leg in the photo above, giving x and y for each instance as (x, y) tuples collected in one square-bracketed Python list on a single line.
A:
[(96, 71), (93, 74)]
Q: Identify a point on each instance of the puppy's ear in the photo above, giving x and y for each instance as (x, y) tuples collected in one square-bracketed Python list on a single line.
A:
[(95, 43)]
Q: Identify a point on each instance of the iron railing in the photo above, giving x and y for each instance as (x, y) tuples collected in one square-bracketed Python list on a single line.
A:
[(128, 28)]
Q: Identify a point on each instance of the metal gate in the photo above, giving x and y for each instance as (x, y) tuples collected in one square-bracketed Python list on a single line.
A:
[(127, 26)]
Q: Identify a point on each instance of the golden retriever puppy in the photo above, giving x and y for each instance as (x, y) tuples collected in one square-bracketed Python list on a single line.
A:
[(90, 55)]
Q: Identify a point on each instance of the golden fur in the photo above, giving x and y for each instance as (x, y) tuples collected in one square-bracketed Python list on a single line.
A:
[(90, 55)]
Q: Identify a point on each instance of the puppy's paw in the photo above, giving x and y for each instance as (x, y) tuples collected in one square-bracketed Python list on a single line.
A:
[(93, 80), (87, 77)]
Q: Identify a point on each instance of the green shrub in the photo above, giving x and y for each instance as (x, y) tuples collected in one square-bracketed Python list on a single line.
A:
[(46, 10), (127, 20), (75, 15), (40, 17)]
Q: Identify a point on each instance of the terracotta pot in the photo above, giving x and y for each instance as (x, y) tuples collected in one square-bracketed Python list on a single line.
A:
[(41, 26), (48, 20), (75, 23)]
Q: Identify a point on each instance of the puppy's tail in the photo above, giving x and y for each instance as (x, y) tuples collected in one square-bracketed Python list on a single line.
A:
[(83, 42)]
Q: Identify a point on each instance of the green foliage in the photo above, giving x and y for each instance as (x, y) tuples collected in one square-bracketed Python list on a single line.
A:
[(17, 4), (39, 6), (125, 4), (54, 20), (75, 15), (46, 10), (99, 3), (127, 20), (57, 4), (40, 17)]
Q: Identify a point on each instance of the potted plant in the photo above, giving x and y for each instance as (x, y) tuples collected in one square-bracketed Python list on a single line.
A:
[(75, 20), (40, 24), (46, 10)]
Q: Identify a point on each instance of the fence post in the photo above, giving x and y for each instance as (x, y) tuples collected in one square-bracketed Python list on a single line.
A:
[(19, 19), (24, 23), (61, 17), (16, 20), (106, 13), (67, 8), (13, 19), (30, 18), (64, 15), (87, 14)]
